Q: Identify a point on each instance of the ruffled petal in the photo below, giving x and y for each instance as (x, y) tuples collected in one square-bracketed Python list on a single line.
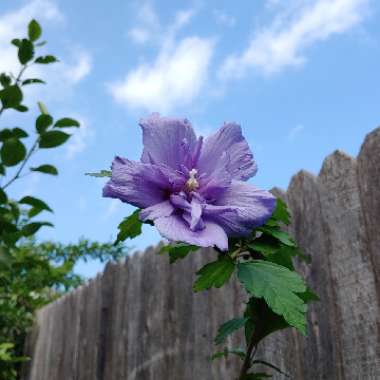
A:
[(167, 141), (241, 208), (158, 210), (228, 140), (141, 185), (175, 228)]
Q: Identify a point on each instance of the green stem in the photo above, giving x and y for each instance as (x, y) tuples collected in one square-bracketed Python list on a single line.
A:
[(252, 347), (26, 159)]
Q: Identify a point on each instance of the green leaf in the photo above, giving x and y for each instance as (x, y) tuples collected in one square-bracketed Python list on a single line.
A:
[(16, 133), (308, 296), (34, 30), (130, 227), (264, 247), (5, 80), (3, 196), (11, 96), (47, 169), (46, 60), (43, 122), (214, 274), (281, 212), (278, 286), (35, 202), (228, 328), (66, 122), (178, 251), (32, 81), (25, 51), (52, 139), (21, 108), (16, 42), (32, 228), (42, 108), (227, 351), (102, 173), (282, 236), (12, 152)]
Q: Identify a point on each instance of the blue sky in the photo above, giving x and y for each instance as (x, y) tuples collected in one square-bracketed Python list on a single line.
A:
[(301, 76)]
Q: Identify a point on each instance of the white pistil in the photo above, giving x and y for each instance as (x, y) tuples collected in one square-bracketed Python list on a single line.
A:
[(192, 183)]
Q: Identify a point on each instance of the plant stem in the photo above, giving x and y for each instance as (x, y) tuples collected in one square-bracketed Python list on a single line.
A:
[(249, 356), (18, 173)]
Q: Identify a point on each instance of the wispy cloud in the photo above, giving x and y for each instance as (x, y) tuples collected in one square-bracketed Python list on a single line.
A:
[(80, 139), (174, 78), (283, 43), (295, 131), (78, 70), (223, 18)]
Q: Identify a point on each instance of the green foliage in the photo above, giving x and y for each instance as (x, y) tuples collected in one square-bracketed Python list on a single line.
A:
[(178, 251), (130, 227), (214, 274), (31, 274), (228, 328), (228, 351), (47, 169), (102, 173), (278, 286)]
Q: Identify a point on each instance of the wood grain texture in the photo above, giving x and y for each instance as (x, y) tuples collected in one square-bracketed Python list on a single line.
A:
[(140, 319)]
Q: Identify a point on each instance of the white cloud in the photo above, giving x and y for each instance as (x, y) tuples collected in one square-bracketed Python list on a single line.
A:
[(224, 18), (295, 131), (75, 72), (283, 43), (174, 78), (148, 25), (80, 139), (14, 25)]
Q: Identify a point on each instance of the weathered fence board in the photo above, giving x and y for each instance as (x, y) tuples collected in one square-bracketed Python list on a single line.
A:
[(141, 320)]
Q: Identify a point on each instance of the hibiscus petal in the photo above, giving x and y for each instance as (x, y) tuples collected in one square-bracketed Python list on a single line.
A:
[(241, 208), (175, 228), (229, 140), (167, 141), (141, 185), (158, 210)]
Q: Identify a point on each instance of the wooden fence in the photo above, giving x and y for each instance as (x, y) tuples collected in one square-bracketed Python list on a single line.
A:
[(141, 320)]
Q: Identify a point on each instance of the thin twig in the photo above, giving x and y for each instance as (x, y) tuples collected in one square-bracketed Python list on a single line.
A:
[(26, 159)]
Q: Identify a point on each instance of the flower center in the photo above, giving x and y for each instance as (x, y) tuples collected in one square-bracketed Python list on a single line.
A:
[(192, 183)]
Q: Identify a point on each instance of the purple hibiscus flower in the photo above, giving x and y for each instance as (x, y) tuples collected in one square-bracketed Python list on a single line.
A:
[(193, 189)]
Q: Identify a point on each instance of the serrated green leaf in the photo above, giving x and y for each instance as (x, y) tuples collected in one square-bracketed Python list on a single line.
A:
[(228, 328), (25, 51), (32, 228), (11, 96), (35, 202), (278, 286), (12, 152), (16, 42), (130, 227), (21, 108), (34, 30), (66, 122), (102, 173), (47, 169), (214, 274), (43, 122), (19, 133), (227, 351), (281, 212), (264, 247), (178, 251), (32, 81), (282, 236), (308, 296), (52, 139), (45, 60)]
